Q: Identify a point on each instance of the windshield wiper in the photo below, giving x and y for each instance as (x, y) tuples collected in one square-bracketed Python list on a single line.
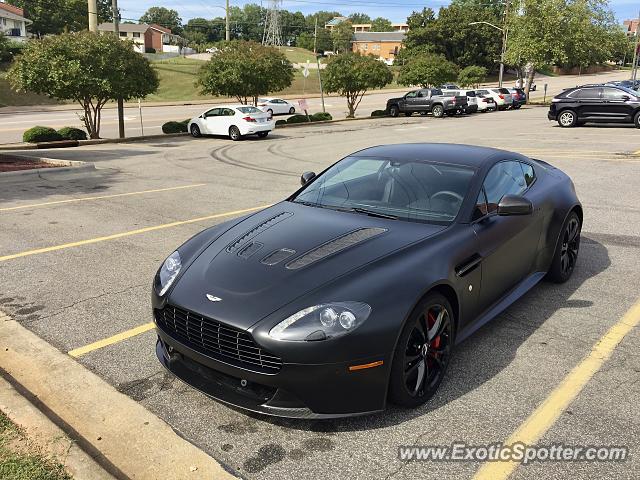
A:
[(372, 213)]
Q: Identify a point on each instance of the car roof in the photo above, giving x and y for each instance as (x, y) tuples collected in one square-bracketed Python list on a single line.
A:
[(456, 154), (228, 105)]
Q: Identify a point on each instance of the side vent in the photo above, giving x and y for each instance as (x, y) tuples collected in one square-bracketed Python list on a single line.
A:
[(258, 229), (334, 246)]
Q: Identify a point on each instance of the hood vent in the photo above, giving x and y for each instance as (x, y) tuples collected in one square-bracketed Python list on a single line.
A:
[(278, 256), (334, 246), (258, 229)]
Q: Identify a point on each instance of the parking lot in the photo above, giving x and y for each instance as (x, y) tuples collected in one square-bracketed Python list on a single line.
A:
[(78, 252)]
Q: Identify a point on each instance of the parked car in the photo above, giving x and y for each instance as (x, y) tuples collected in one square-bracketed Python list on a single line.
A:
[(426, 100), (236, 121), (518, 97), (352, 293), (276, 106), (632, 84), (212, 50), (486, 103), (472, 99), (595, 103), (522, 84), (501, 96)]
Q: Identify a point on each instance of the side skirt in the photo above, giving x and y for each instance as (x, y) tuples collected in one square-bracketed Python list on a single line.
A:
[(506, 301)]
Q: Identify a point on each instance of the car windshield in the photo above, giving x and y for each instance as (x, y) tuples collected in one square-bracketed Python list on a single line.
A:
[(629, 90), (249, 110), (503, 90), (406, 190)]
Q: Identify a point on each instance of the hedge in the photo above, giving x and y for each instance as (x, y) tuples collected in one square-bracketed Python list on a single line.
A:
[(71, 133), (379, 113), (41, 134), (321, 117), (175, 127), (298, 118), (280, 122)]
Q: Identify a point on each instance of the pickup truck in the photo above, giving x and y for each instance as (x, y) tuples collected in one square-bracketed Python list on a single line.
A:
[(426, 100)]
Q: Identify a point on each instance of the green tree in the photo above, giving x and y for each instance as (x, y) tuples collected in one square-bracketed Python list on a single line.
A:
[(51, 17), (381, 24), (421, 19), (245, 70), (342, 36), (86, 67), (472, 76), (351, 75), (164, 17), (4, 48), (359, 18), (430, 70)]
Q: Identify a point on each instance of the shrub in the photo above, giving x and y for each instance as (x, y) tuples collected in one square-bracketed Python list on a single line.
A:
[(280, 122), (41, 134), (174, 127), (321, 117), (298, 118), (379, 113), (71, 133)]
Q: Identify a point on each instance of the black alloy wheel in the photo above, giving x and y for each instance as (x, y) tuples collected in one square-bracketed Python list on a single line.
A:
[(566, 255), (423, 352)]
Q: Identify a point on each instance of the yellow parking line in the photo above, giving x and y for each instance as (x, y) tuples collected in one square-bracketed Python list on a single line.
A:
[(78, 352), (561, 397), (126, 234), (100, 197)]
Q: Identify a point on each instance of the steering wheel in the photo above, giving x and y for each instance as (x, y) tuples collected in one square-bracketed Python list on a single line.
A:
[(450, 194)]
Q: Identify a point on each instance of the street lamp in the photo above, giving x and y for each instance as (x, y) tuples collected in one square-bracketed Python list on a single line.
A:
[(504, 47)]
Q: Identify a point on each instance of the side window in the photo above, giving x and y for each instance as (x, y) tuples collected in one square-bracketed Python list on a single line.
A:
[(529, 174), (586, 93), (481, 208), (214, 112), (422, 94), (504, 178), (613, 94), (412, 95), (227, 112)]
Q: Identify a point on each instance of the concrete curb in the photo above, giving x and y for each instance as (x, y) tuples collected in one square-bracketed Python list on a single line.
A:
[(47, 436), (64, 166), (100, 141), (121, 435)]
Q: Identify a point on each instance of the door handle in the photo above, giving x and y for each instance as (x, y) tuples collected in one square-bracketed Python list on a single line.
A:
[(468, 265)]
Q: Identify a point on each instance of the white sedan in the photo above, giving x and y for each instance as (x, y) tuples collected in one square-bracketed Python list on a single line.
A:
[(236, 121), (276, 106)]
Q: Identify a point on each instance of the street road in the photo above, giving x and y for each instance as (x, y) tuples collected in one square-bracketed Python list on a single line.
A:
[(68, 277), (15, 120)]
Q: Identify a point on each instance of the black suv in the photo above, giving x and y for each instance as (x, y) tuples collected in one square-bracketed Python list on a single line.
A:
[(595, 103)]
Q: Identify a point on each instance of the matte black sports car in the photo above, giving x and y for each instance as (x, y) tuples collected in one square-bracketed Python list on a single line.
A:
[(354, 290)]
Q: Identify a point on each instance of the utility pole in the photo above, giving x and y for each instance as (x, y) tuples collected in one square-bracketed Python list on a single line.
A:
[(228, 29), (116, 29), (93, 15), (315, 38), (634, 71), (504, 43)]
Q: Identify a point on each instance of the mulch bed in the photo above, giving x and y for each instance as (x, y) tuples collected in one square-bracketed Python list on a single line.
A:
[(12, 163)]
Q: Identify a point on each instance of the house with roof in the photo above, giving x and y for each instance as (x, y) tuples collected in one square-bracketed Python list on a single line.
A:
[(13, 24), (384, 45), (363, 27), (144, 36), (631, 26)]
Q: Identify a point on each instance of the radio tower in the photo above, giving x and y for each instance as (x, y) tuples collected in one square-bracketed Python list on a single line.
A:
[(272, 34)]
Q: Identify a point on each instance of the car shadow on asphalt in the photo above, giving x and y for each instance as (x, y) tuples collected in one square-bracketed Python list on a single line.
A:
[(487, 352)]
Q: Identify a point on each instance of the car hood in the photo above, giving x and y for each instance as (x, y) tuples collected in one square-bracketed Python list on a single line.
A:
[(241, 269), (396, 99)]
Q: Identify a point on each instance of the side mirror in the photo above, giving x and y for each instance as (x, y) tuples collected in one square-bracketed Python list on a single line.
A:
[(514, 205), (626, 98), (307, 177)]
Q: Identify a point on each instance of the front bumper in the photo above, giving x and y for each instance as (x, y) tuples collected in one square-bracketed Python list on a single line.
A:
[(551, 116), (296, 391)]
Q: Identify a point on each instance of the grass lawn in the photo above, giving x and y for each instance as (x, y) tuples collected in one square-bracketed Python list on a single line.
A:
[(21, 461), (9, 97), (300, 55)]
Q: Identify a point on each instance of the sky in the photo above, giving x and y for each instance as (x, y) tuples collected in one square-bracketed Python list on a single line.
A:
[(394, 10)]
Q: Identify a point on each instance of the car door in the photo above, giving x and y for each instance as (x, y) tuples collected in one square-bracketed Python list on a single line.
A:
[(411, 101), (227, 118), (588, 102), (507, 245), (211, 120), (282, 106), (617, 104)]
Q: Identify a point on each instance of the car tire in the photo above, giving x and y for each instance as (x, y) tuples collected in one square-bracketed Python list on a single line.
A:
[(394, 111), (567, 119), (262, 134), (567, 249), (195, 131), (636, 120), (426, 339), (292, 110), (437, 111), (234, 133), (270, 112)]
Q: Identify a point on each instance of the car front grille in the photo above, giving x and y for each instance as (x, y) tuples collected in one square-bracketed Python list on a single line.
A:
[(216, 340)]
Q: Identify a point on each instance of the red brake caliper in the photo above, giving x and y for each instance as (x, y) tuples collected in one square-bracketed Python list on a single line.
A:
[(431, 320)]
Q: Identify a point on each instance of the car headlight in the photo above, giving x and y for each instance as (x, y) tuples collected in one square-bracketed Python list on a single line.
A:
[(320, 322), (168, 272)]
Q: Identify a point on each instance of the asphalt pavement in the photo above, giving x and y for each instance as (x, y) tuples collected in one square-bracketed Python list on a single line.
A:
[(78, 252)]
